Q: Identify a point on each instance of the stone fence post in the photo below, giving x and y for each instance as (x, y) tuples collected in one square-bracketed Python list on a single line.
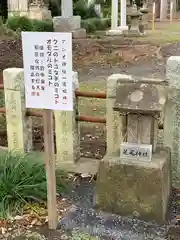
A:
[(172, 117), (114, 121), (19, 126), (67, 133)]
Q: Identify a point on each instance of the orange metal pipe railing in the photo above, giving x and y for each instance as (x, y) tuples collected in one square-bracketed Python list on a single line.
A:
[(102, 95), (82, 118)]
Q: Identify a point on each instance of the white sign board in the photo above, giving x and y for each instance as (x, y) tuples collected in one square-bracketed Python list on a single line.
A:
[(48, 70), (131, 151)]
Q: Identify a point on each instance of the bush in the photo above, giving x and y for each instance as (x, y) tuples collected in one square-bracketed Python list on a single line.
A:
[(42, 26), (94, 24), (17, 23), (82, 9), (22, 180)]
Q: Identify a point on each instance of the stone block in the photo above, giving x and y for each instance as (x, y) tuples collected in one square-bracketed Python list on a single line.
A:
[(114, 32), (135, 188), (114, 121), (66, 24), (19, 126), (79, 33), (68, 132), (171, 116)]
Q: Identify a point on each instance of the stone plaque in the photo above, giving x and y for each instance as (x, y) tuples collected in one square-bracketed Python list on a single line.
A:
[(142, 152)]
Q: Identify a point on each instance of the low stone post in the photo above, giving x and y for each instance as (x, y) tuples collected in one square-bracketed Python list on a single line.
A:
[(172, 116), (114, 122), (67, 134), (19, 126)]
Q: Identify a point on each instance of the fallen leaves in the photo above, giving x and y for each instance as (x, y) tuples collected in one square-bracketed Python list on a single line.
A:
[(34, 216)]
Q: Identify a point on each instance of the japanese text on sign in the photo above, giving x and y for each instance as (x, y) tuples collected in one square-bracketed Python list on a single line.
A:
[(136, 151), (48, 70)]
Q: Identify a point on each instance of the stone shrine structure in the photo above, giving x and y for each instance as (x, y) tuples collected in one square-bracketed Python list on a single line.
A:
[(134, 177)]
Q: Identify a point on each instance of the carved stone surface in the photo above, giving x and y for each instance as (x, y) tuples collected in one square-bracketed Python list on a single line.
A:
[(172, 117), (19, 127), (140, 98), (67, 132), (66, 24)]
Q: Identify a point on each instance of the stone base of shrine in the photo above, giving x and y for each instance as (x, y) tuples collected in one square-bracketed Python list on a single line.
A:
[(114, 32), (69, 24), (135, 188), (66, 24)]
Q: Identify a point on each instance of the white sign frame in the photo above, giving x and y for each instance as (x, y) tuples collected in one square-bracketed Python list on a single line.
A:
[(47, 58), (136, 147)]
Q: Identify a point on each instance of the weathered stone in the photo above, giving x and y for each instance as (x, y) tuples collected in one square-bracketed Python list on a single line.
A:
[(140, 97), (134, 25), (67, 133), (40, 12), (135, 188), (79, 33), (115, 123), (144, 11), (140, 129), (114, 32), (172, 116), (66, 24), (19, 126)]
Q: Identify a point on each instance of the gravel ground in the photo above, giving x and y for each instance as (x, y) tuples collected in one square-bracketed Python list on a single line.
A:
[(82, 216)]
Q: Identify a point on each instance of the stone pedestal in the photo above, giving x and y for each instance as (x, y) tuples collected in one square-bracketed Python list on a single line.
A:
[(69, 24), (114, 32), (135, 188)]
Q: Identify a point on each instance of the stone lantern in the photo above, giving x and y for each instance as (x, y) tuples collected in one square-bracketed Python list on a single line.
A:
[(134, 178)]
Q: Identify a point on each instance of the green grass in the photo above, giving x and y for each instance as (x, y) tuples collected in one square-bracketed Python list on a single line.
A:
[(22, 181), (82, 236)]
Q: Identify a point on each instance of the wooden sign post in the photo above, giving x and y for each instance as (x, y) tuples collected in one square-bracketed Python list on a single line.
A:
[(48, 85), (50, 167)]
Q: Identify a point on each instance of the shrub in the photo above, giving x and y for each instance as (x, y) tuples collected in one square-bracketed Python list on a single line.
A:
[(42, 26), (81, 8), (94, 24), (17, 22), (22, 180)]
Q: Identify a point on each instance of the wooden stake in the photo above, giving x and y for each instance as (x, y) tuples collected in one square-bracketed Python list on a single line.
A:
[(50, 168), (171, 12), (153, 16)]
